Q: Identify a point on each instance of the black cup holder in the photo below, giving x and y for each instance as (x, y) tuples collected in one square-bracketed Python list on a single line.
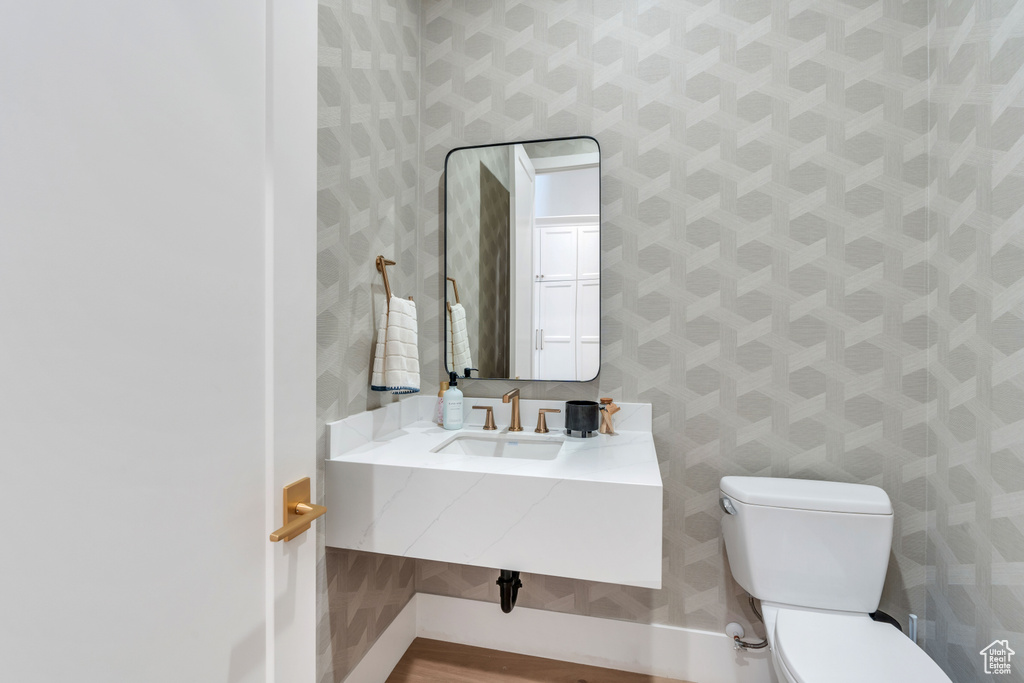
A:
[(582, 418)]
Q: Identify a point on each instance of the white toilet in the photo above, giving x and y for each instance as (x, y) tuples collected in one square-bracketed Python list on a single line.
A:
[(815, 554)]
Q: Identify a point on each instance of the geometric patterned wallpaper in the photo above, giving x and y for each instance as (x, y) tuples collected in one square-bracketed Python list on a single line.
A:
[(762, 286), (465, 232), (773, 273), (976, 337), (813, 266), (368, 168), (494, 264)]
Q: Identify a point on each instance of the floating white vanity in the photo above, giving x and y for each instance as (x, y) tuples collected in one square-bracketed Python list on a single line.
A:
[(398, 484)]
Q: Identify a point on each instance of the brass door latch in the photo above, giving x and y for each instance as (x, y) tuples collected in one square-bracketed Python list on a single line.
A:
[(299, 511)]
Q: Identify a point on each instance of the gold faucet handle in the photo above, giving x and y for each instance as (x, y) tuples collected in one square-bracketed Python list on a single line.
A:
[(542, 423), (489, 420)]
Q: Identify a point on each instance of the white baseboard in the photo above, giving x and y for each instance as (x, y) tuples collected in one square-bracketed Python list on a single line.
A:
[(378, 663), (653, 649)]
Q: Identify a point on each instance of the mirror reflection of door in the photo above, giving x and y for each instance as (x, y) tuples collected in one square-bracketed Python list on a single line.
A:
[(523, 242), (521, 302)]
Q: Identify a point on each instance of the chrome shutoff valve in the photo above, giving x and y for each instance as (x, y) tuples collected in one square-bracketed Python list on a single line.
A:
[(736, 632)]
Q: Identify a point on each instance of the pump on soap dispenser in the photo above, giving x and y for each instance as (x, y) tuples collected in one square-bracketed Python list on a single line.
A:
[(452, 403)]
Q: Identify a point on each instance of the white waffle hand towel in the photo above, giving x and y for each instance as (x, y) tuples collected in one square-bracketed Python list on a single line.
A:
[(458, 340), (396, 359)]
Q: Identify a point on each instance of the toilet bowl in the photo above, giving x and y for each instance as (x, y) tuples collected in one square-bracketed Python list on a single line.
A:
[(815, 554), (809, 646)]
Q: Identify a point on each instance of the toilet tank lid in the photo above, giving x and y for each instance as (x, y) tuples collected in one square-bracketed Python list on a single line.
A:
[(805, 494)]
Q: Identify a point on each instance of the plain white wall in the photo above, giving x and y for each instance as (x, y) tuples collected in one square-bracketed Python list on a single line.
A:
[(573, 192)]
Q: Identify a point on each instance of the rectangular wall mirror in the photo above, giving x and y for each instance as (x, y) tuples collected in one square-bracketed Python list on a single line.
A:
[(523, 260)]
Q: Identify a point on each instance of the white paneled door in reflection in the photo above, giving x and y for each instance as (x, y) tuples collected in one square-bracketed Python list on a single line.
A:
[(567, 297), (588, 328), (556, 328)]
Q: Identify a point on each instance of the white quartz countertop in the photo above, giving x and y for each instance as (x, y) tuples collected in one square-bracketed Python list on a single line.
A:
[(592, 511), (625, 457)]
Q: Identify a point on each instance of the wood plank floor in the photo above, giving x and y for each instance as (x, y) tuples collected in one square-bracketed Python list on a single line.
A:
[(436, 661)]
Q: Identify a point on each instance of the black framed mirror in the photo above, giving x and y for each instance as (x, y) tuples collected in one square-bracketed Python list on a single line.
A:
[(523, 260)]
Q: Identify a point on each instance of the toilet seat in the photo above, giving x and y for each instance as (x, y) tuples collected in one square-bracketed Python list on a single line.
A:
[(815, 647)]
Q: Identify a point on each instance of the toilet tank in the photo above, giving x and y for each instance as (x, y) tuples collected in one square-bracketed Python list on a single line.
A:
[(818, 544)]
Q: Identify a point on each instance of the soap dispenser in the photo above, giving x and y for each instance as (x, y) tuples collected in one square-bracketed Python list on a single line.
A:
[(453, 403)]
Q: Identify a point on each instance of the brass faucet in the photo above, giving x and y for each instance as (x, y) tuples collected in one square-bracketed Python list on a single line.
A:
[(513, 396)]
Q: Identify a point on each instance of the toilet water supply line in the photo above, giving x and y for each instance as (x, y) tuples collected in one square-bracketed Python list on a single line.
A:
[(739, 644)]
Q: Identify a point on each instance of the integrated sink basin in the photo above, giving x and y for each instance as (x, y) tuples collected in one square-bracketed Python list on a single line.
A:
[(398, 484), (502, 447)]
